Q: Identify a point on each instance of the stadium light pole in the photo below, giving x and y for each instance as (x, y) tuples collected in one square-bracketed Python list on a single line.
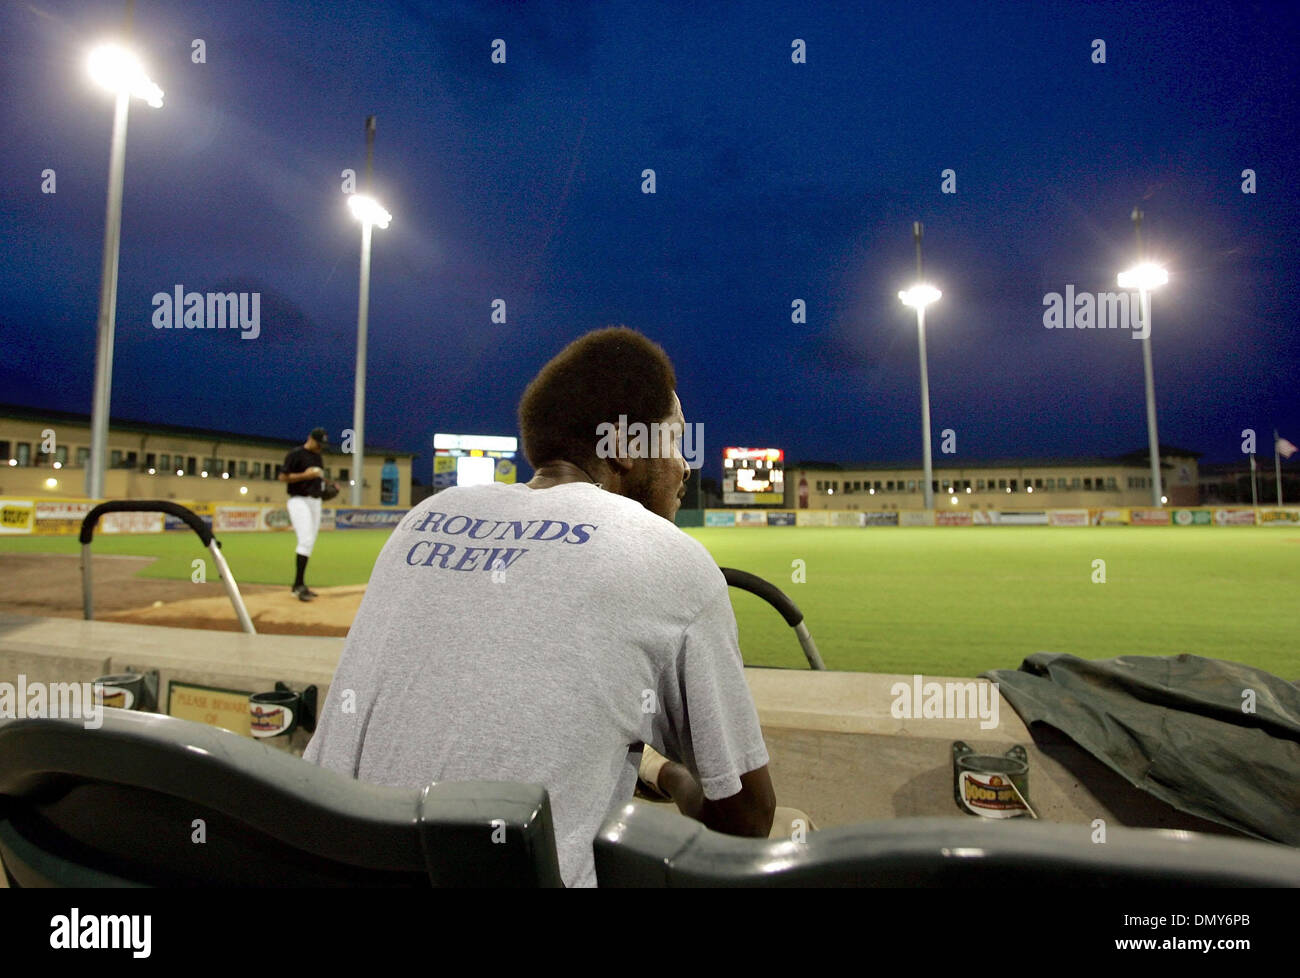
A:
[(918, 297), (368, 211), (1145, 277), (116, 69)]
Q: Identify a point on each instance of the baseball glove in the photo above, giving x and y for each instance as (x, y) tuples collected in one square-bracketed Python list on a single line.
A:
[(328, 491)]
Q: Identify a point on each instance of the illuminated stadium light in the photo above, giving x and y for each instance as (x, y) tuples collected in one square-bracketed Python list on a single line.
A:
[(1163, 500), (225, 475), (58, 465), (1144, 277), (919, 296), (1029, 488), (119, 71), (13, 461), (968, 490), (830, 492), (954, 500), (204, 473), (871, 492), (153, 471), (180, 471), (243, 490), (51, 483), (367, 210)]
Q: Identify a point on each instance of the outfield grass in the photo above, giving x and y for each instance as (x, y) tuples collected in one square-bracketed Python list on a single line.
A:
[(950, 601)]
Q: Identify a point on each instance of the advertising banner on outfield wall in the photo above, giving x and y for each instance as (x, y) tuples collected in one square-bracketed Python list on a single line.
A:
[(1234, 517), (1149, 517), (983, 517), (202, 510), (236, 519), (880, 518), (1109, 517), (1191, 517), (1067, 517), (915, 517), (719, 517), (131, 523), (841, 517), (1279, 517), (1023, 518), (961, 517), (16, 516), (277, 518), (813, 517), (58, 518), (368, 519), (750, 517), (780, 518)]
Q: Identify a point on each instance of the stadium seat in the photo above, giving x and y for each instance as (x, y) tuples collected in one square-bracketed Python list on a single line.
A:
[(157, 801), (645, 847)]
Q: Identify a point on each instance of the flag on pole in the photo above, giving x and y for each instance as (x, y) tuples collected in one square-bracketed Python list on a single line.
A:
[(1285, 448)]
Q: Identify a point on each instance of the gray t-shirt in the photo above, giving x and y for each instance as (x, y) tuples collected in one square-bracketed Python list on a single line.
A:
[(540, 636)]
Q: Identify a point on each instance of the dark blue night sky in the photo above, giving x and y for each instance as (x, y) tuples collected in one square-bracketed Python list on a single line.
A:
[(775, 181)]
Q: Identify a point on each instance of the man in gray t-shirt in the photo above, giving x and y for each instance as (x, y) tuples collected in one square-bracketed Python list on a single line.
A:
[(542, 633)]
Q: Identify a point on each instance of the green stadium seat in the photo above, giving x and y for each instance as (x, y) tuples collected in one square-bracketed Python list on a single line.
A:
[(126, 805), (643, 846)]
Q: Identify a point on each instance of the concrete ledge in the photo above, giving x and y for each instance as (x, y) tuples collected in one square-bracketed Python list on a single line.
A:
[(837, 752)]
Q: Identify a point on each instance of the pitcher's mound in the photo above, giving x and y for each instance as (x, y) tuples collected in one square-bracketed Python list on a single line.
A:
[(276, 612)]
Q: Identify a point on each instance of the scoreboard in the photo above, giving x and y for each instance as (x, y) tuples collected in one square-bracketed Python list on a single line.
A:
[(469, 460), (753, 477)]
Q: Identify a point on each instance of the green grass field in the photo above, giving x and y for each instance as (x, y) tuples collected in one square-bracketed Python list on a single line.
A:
[(929, 600)]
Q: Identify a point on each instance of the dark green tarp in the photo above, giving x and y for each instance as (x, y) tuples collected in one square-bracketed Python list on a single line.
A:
[(1175, 727)]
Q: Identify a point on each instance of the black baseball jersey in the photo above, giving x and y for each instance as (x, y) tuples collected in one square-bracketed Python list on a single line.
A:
[(300, 460)]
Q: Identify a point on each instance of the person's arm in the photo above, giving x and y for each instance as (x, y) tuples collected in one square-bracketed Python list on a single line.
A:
[(709, 723), (748, 813), (315, 472)]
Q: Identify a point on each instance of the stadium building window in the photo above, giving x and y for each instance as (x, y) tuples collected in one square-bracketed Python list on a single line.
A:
[(1110, 483), (83, 457), (150, 460), (130, 461), (4, 453), (255, 471), (1038, 483), (1015, 485), (911, 485), (230, 467), (61, 454), (979, 485), (1002, 483), (24, 453), (165, 463), (190, 467), (1074, 482), (889, 485), (343, 474), (243, 467), (1087, 484), (115, 459)]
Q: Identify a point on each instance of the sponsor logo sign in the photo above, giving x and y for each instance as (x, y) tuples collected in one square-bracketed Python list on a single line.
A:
[(1068, 517), (1109, 517), (719, 517), (59, 518), (1149, 517), (844, 518), (751, 518), (277, 518), (915, 517), (780, 518), (1024, 518), (1279, 517), (880, 518), (953, 518), (16, 516), (813, 517), (1191, 517), (131, 523), (984, 517), (1234, 517), (231, 519), (367, 519)]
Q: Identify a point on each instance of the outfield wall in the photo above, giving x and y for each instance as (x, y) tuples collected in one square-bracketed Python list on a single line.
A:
[(1100, 516), (34, 516)]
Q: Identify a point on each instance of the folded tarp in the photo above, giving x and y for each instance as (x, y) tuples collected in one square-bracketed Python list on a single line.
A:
[(1216, 739)]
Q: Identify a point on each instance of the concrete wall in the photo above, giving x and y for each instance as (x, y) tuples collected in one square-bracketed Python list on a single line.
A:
[(837, 752)]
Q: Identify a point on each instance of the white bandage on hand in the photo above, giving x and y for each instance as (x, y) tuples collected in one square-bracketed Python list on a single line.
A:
[(652, 762)]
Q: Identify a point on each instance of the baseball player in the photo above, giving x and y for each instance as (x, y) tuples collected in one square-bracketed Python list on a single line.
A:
[(303, 473)]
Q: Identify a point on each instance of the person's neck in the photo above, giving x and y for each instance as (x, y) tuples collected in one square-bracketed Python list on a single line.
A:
[(558, 473)]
